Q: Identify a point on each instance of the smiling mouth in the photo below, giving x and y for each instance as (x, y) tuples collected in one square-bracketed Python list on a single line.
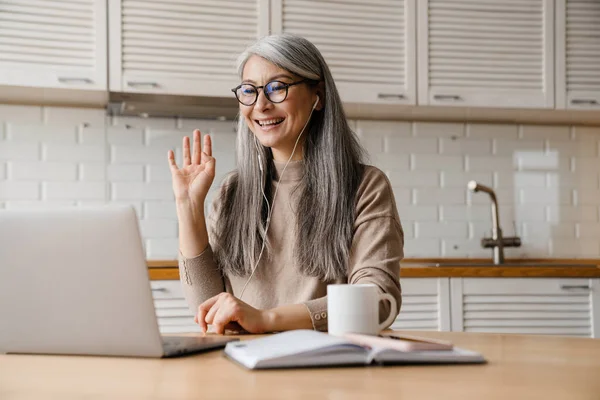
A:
[(270, 122)]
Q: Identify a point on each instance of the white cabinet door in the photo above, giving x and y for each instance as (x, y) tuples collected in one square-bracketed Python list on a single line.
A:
[(188, 47), (53, 44), (368, 45), (172, 311), (486, 53), (578, 54), (425, 304), (551, 306)]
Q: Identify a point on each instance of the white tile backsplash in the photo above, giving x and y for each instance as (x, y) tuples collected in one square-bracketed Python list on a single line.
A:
[(90, 117), (64, 134), (452, 230), (74, 190), (436, 162), (11, 190), (73, 152), (25, 114), (125, 172), (588, 197), (547, 178), (92, 172), (419, 213), (557, 133), (42, 171), (158, 228), (461, 146), (414, 178), (437, 130), (459, 179), (123, 136), (11, 151), (412, 145), (492, 131)]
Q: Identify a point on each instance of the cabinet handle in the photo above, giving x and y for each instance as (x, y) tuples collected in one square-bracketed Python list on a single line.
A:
[(161, 289), (584, 101), (446, 97), (138, 84), (390, 96), (571, 287), (63, 79)]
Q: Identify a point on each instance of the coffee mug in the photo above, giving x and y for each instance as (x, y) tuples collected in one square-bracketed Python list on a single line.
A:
[(355, 309)]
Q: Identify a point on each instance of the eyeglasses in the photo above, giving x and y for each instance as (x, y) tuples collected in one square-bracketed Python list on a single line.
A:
[(275, 91)]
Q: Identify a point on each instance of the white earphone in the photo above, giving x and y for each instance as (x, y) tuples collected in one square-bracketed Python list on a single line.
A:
[(270, 207)]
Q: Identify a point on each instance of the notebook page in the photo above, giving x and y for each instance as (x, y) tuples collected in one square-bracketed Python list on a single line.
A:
[(285, 344)]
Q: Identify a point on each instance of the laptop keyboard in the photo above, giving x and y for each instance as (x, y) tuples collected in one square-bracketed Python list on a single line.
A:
[(174, 345)]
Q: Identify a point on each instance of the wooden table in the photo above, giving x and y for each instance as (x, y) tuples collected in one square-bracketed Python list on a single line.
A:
[(520, 367)]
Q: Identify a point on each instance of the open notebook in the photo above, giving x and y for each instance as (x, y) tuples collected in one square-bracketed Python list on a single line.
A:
[(308, 348)]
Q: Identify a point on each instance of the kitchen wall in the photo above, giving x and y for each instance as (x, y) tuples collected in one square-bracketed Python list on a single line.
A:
[(547, 178)]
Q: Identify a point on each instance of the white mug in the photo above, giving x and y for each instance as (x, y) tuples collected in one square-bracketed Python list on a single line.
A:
[(355, 309)]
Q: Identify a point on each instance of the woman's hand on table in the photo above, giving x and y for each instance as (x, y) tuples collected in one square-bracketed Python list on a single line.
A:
[(225, 311)]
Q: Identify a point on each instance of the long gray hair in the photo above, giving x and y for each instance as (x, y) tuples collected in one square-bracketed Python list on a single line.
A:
[(333, 170)]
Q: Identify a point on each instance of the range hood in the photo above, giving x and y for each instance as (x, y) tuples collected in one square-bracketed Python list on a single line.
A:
[(161, 105)]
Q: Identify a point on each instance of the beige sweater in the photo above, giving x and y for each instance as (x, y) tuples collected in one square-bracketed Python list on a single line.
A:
[(377, 248)]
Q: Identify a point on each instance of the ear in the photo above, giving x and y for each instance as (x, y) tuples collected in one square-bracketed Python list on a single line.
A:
[(321, 93)]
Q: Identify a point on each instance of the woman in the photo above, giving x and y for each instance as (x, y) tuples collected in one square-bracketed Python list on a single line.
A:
[(299, 184)]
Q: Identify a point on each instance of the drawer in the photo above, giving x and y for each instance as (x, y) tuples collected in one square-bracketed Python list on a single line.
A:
[(172, 311), (166, 289), (528, 286)]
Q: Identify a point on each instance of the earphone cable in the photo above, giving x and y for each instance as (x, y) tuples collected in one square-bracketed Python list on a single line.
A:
[(270, 209)]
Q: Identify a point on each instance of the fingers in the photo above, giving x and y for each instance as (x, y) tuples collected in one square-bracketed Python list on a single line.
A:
[(172, 163), (220, 312), (210, 315), (197, 149), (222, 318), (187, 160), (203, 310), (207, 152), (209, 164), (208, 145)]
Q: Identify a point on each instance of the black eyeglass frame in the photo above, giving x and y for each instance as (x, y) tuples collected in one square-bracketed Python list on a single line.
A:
[(286, 85)]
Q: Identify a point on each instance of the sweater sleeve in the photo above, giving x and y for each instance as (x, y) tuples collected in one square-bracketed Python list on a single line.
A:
[(377, 246), (201, 277)]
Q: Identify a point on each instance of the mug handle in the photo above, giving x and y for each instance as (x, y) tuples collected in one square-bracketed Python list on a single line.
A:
[(393, 310)]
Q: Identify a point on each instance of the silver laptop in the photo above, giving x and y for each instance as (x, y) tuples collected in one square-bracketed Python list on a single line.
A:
[(75, 281)]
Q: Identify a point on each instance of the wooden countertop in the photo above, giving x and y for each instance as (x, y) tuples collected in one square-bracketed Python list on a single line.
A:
[(519, 367), (460, 267)]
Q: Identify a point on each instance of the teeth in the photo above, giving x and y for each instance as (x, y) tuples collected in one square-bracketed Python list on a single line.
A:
[(270, 122)]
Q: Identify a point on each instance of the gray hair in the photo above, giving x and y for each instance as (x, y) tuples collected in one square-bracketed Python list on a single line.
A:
[(333, 171)]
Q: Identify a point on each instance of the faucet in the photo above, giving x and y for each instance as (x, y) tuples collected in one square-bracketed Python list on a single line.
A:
[(497, 242)]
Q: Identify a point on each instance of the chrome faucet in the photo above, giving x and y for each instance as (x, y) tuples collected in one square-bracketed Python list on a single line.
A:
[(497, 242)]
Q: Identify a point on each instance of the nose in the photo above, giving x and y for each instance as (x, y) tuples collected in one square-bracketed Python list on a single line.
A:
[(262, 103)]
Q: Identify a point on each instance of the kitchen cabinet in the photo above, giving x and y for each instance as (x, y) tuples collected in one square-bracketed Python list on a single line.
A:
[(425, 304), (172, 311), (555, 306), (578, 54), (511, 54), (53, 44), (188, 47), (551, 306), (369, 46), (486, 54)]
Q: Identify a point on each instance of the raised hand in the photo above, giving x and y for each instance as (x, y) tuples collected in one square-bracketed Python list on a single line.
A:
[(192, 181)]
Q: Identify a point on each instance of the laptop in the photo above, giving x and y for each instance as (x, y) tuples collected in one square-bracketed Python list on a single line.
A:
[(75, 281)]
